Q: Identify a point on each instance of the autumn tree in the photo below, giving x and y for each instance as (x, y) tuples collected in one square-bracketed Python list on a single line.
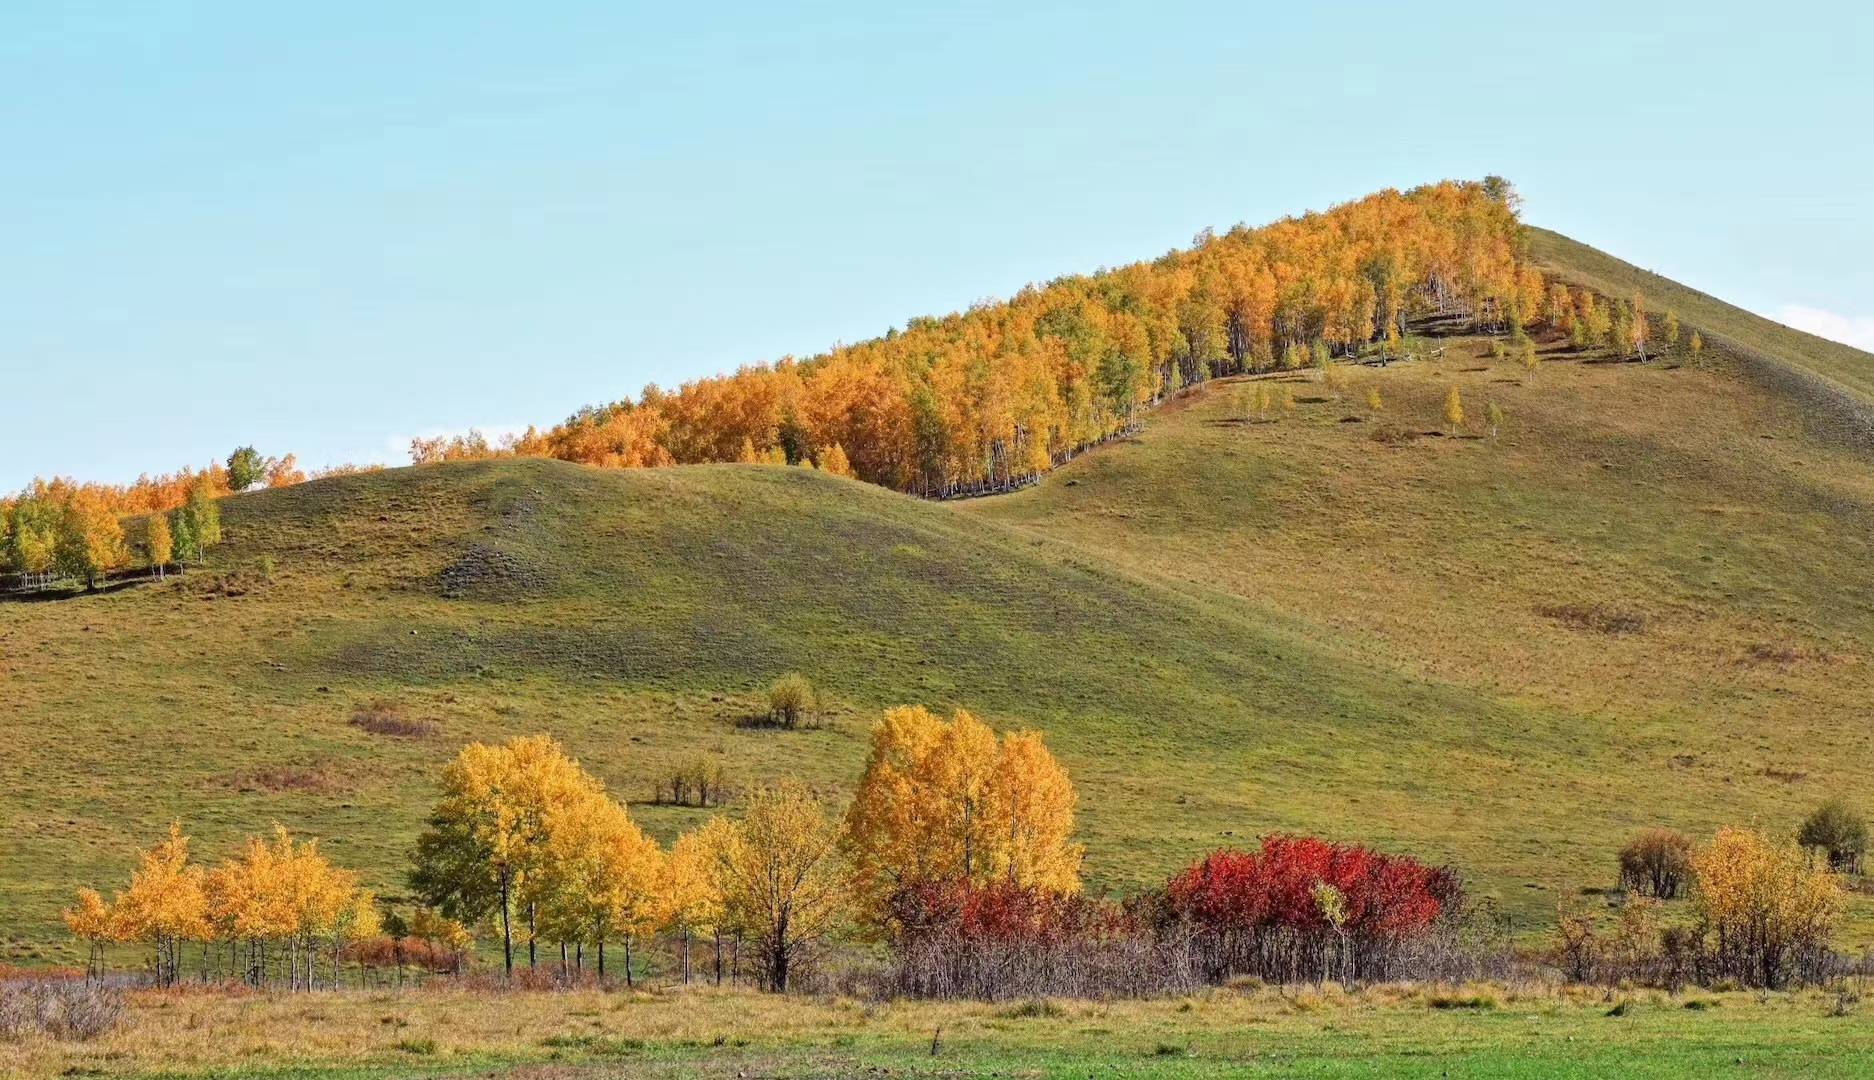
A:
[(90, 539), (164, 906), (197, 525), (1697, 346), (1656, 863), (597, 875), (691, 889), (833, 461), (490, 829), (1770, 911), (284, 472), (782, 878), (1454, 409), (792, 701), (950, 801), (158, 543)]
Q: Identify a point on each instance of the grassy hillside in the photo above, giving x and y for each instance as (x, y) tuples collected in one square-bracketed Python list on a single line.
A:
[(637, 615), (1843, 366), (1646, 599)]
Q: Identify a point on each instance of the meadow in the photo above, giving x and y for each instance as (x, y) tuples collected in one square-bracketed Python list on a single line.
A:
[(588, 1035)]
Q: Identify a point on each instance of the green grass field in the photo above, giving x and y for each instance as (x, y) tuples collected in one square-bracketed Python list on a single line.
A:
[(1647, 599), (585, 1035)]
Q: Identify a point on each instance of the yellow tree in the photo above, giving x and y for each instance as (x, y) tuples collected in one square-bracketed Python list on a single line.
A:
[(1765, 903), (1454, 409), (164, 905), (598, 875), (90, 540), (781, 876), (947, 801), (97, 924), (160, 543), (1697, 345), (691, 892), (833, 460), (490, 828)]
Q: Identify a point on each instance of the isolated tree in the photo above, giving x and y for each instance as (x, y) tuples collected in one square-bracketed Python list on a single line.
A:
[(782, 878), (1454, 409), (158, 542), (1530, 362), (1494, 414), (1697, 346), (1671, 329), (245, 468), (1837, 831), (1373, 400)]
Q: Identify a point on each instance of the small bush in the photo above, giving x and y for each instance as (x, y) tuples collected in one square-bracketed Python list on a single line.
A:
[(1838, 831), (792, 701), (1656, 863)]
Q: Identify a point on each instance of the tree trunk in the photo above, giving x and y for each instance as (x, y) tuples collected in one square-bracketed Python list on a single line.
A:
[(507, 930)]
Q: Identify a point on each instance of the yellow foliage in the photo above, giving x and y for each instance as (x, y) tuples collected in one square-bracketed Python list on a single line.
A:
[(781, 877), (1761, 895), (945, 801)]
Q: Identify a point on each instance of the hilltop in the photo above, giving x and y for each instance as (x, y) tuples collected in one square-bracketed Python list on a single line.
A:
[(1646, 599)]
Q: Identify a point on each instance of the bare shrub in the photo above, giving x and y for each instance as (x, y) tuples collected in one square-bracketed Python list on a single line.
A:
[(285, 779), (1656, 863), (699, 781), (382, 717), (68, 1009)]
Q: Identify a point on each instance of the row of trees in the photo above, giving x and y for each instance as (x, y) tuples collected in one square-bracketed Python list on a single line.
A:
[(278, 906), (63, 530), (1005, 390)]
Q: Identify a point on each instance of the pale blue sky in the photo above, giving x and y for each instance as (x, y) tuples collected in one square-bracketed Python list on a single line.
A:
[(325, 228)]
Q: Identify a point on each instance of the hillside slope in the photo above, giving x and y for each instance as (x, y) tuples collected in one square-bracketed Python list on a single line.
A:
[(637, 615), (1646, 597)]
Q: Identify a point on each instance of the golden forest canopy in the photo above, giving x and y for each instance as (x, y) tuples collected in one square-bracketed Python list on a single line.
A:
[(1006, 390)]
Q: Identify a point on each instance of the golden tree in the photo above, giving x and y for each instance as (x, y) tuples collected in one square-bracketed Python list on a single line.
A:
[(97, 924), (947, 801), (1765, 903), (159, 542), (1454, 409), (164, 905), (782, 879), (489, 831), (691, 890), (598, 875), (90, 540)]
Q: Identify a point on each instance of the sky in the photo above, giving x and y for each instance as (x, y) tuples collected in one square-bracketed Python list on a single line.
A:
[(325, 228)]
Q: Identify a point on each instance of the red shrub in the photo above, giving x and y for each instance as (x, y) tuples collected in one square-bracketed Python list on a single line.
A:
[(1273, 888)]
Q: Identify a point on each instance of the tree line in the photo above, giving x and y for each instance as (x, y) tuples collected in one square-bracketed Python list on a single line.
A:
[(1006, 390)]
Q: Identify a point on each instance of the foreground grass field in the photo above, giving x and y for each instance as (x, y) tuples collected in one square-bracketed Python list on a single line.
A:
[(1647, 598), (1402, 1031)]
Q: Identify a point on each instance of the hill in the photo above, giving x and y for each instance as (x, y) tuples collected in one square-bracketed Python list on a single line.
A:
[(1645, 599)]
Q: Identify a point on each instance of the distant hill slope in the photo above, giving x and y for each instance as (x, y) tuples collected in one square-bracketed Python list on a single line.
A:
[(1780, 357), (1647, 597)]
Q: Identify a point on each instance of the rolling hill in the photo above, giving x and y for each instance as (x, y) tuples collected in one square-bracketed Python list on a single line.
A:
[(1647, 597)]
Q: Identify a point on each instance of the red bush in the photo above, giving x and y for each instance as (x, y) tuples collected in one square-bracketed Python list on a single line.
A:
[(1273, 888)]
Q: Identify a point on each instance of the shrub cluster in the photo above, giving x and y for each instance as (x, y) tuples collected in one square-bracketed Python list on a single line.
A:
[(58, 1008)]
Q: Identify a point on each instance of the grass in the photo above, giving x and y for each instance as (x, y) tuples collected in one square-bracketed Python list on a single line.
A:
[(1398, 1031), (1647, 600)]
